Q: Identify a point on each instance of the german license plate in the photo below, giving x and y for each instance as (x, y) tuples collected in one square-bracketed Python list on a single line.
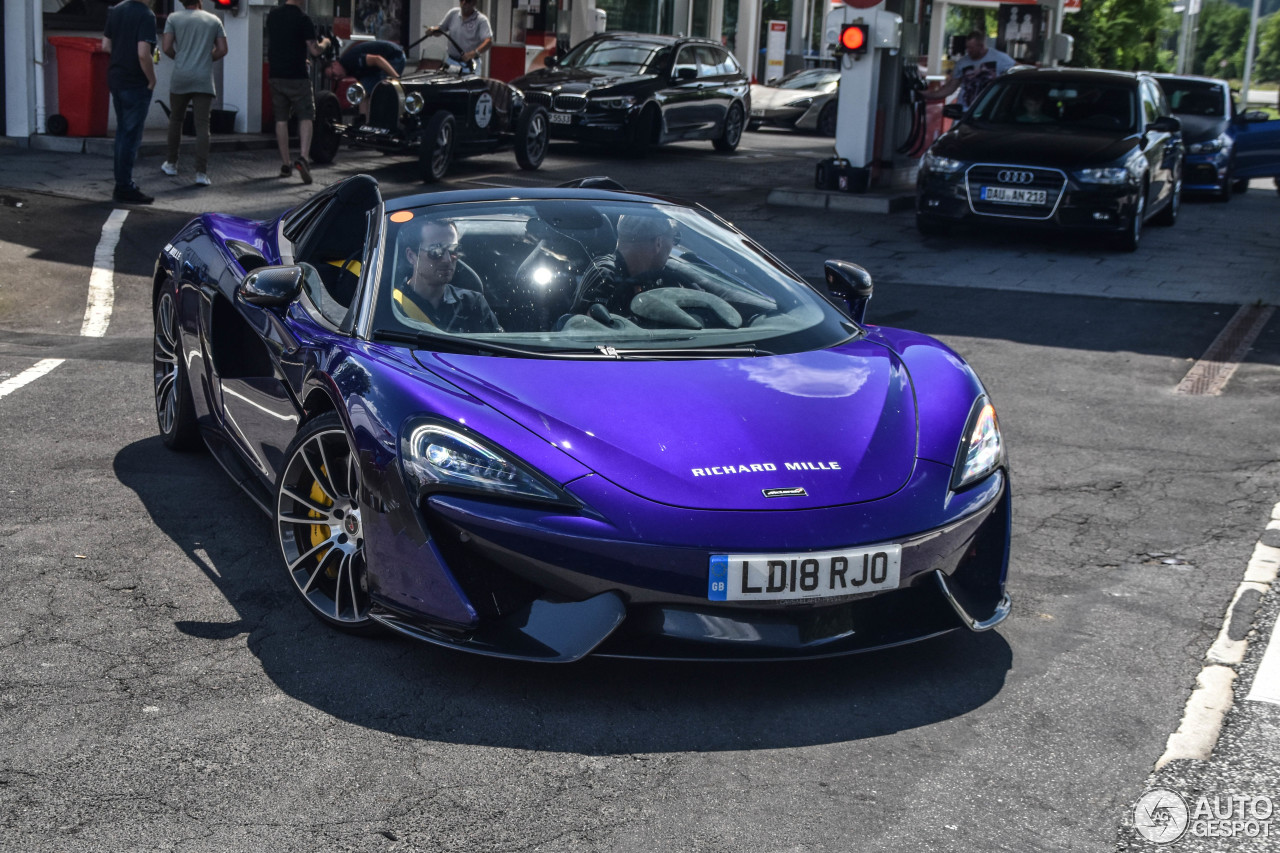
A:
[(757, 112), (561, 118), (822, 574), (1014, 195)]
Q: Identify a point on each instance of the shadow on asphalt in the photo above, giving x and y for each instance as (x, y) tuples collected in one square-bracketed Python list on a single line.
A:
[(595, 707)]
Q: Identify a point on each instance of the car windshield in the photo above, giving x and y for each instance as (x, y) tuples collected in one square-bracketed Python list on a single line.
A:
[(577, 276), (1075, 105), (810, 78), (1192, 98), (619, 55)]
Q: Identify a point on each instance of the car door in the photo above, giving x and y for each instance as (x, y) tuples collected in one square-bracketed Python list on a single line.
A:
[(716, 92), (1160, 147), (682, 95), (1257, 145)]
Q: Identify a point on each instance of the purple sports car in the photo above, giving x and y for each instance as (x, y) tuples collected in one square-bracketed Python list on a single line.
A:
[(548, 423)]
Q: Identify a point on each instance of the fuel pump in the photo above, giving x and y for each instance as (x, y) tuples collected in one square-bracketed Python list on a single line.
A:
[(860, 31)]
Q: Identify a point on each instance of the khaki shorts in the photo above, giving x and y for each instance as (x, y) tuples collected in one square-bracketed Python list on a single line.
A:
[(292, 96)]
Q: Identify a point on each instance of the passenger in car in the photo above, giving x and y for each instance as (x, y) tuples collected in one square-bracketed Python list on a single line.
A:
[(429, 296), (639, 264), (1032, 109)]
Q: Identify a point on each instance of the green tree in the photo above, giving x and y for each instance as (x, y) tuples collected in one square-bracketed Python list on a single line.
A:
[(1266, 64), (1123, 34), (1221, 33)]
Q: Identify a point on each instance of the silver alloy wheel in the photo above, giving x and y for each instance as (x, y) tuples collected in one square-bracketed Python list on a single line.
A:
[(443, 149), (320, 529), (537, 147), (165, 363)]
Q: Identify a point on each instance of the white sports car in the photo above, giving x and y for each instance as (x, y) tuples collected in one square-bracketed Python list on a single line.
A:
[(805, 100)]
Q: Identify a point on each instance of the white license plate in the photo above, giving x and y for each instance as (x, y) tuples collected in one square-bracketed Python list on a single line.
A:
[(561, 118), (757, 112), (823, 574), (1013, 195)]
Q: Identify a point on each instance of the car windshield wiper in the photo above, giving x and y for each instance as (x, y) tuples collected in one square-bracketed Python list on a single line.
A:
[(450, 343), (726, 351), (428, 340)]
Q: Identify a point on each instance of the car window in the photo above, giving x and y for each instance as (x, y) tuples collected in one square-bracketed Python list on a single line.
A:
[(686, 58), (577, 275), (728, 65), (621, 55), (1196, 98), (1084, 105), (708, 62), (810, 78)]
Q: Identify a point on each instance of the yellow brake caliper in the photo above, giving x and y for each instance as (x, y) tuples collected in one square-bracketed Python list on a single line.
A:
[(320, 532)]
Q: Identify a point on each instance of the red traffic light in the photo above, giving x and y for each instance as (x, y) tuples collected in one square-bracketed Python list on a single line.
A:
[(227, 5), (854, 38)]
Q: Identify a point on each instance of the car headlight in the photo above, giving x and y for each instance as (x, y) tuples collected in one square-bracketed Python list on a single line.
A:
[(1209, 146), (620, 102), (801, 104), (982, 449), (1108, 175), (941, 165), (436, 457), (413, 103), (355, 94)]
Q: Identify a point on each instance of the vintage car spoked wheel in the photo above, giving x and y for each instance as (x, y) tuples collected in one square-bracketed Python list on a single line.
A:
[(319, 527), (732, 134), (532, 131), (436, 152), (175, 411), (325, 139)]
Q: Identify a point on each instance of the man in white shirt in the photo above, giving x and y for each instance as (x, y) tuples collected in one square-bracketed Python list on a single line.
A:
[(469, 28), (978, 67)]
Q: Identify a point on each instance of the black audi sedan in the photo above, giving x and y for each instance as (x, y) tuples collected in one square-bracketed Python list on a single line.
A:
[(1078, 149), (640, 91)]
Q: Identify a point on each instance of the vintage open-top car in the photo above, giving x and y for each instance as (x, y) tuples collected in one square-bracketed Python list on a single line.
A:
[(440, 114), (547, 423)]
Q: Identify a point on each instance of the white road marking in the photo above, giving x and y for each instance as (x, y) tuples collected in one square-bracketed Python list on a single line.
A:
[(1202, 719), (102, 297), (32, 373), (1265, 565)]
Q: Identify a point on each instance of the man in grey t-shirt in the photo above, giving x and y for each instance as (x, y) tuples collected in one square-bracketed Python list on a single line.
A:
[(469, 28), (194, 40)]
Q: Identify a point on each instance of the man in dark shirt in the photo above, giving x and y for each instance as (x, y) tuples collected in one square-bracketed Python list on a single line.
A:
[(370, 62), (291, 38), (429, 292), (644, 244), (130, 38)]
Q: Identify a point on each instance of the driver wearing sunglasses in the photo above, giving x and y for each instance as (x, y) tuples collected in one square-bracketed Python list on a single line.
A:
[(430, 295)]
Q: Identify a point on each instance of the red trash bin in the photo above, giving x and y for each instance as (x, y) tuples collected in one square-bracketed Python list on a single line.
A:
[(83, 96)]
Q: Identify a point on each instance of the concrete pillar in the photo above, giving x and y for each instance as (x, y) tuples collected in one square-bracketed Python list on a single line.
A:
[(20, 71), (937, 36), (242, 67), (747, 40)]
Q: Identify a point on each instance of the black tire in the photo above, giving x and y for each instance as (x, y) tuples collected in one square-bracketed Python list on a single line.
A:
[(175, 410), (324, 136), (731, 134), (1168, 216), (827, 119), (932, 226), (56, 125), (1131, 237), (1224, 189), (533, 130), (1241, 185), (435, 152), (645, 132), (754, 125), (319, 528)]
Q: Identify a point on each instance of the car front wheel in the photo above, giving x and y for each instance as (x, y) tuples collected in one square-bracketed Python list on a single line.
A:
[(324, 135), (731, 135), (1129, 239), (532, 131), (827, 119), (435, 153), (319, 526), (175, 410), (1169, 215)]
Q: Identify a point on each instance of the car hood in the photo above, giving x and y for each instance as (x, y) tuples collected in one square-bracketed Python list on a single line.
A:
[(1039, 147), (831, 427), (575, 80), (1200, 128)]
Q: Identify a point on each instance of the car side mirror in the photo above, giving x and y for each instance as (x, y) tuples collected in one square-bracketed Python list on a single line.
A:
[(271, 287), (1165, 124), (851, 283), (686, 73), (1254, 116), (952, 111)]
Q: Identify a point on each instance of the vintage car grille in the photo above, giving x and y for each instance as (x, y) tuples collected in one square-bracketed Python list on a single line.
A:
[(569, 103), (384, 107), (542, 99), (1051, 181)]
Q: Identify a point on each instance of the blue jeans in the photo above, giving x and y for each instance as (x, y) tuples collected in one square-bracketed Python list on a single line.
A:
[(131, 114)]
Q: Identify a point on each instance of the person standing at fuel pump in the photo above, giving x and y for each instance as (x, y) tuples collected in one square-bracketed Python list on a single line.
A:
[(291, 38), (469, 28), (973, 71), (130, 38), (195, 40)]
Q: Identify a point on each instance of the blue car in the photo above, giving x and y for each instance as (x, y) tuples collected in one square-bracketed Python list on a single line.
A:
[(547, 423), (1225, 148)]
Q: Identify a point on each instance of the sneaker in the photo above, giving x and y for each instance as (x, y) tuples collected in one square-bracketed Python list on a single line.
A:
[(286, 170), (303, 169), (133, 195), (203, 180), (168, 168)]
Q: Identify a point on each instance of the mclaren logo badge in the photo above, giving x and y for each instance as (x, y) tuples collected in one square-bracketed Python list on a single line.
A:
[(797, 492)]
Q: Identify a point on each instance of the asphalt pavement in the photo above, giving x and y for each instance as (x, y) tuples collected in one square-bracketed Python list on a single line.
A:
[(1219, 254)]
